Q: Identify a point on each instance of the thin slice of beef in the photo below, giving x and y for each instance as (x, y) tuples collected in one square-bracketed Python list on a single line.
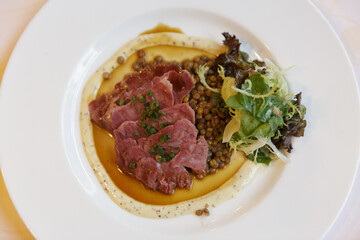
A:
[(141, 79), (171, 114), (174, 176), (115, 116), (190, 153), (101, 104), (168, 83), (163, 92), (128, 129), (182, 132), (182, 84)]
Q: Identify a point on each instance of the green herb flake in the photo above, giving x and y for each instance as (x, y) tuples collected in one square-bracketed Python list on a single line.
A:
[(160, 148), (121, 102), (161, 125), (137, 134), (171, 154), (147, 106), (153, 130), (132, 165), (163, 113), (141, 98), (133, 99), (164, 138), (150, 93)]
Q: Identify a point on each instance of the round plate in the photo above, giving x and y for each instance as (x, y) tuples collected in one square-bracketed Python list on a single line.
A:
[(47, 173)]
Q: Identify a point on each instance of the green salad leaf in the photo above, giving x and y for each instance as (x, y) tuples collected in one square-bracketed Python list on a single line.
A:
[(260, 156), (262, 108), (257, 95)]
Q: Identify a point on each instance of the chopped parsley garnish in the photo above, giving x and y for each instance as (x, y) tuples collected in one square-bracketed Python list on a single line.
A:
[(153, 102), (121, 102), (132, 165), (164, 138), (133, 99), (151, 111), (148, 129), (137, 134), (147, 106), (141, 98), (159, 151), (152, 130)]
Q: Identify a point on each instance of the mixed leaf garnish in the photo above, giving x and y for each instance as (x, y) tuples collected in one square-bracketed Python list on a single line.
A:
[(265, 116)]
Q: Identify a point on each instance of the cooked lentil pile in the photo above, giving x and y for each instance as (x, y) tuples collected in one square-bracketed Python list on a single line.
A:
[(211, 115)]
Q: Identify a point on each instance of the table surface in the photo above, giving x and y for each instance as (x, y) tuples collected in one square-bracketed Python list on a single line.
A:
[(342, 15)]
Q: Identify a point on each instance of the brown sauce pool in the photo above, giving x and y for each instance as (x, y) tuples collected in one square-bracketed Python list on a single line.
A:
[(104, 142)]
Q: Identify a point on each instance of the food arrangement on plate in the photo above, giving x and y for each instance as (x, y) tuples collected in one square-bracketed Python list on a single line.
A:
[(173, 124)]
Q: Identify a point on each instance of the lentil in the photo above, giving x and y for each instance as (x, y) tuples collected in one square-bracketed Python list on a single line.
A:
[(106, 76), (120, 60)]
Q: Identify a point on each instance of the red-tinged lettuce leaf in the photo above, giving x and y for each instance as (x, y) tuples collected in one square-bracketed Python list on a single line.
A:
[(293, 127), (234, 61)]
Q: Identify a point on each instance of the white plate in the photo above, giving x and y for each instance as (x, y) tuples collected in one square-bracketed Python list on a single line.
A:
[(48, 176)]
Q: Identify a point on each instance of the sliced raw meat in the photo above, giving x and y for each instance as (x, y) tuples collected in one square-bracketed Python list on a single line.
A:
[(182, 84), (172, 114), (190, 154), (162, 176), (155, 136), (129, 129), (182, 132), (168, 83), (101, 104)]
